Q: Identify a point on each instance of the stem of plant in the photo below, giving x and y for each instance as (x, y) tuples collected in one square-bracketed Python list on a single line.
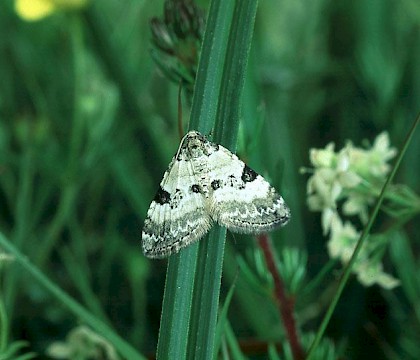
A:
[(284, 302)]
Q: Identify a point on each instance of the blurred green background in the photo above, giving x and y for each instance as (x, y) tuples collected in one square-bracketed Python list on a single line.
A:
[(88, 124)]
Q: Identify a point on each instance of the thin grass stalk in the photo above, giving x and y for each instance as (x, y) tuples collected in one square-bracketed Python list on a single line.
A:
[(70, 184), (22, 216)]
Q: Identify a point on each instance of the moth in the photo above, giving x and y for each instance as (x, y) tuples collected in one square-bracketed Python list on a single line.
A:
[(205, 184)]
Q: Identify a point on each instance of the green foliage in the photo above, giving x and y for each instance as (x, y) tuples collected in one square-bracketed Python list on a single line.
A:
[(88, 124), (14, 348)]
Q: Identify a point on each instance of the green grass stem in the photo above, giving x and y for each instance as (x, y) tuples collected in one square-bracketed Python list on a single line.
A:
[(124, 348), (174, 329)]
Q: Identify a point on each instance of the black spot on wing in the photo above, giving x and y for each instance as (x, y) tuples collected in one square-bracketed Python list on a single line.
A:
[(162, 196), (248, 174), (195, 188), (215, 184)]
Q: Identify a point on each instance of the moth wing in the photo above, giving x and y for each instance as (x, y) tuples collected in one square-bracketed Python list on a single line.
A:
[(177, 216), (242, 200)]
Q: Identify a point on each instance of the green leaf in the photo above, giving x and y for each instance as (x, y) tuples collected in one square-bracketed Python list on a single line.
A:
[(223, 319)]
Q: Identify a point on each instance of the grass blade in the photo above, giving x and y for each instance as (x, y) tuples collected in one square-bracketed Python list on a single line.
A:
[(209, 271), (125, 349), (173, 339)]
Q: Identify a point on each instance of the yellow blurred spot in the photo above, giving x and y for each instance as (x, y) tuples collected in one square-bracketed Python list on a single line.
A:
[(32, 10)]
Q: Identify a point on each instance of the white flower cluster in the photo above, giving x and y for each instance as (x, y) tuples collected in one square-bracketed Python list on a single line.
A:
[(82, 343), (347, 182)]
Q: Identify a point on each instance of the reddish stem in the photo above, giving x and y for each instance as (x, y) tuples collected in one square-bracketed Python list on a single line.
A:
[(284, 302)]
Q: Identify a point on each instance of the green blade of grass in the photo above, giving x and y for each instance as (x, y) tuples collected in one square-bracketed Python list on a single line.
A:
[(172, 343), (210, 69), (240, 39), (223, 322), (23, 216), (125, 349), (363, 236), (210, 260), (176, 309), (406, 267), (206, 295)]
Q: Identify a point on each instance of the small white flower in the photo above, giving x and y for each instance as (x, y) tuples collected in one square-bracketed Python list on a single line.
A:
[(343, 239), (372, 164), (347, 177), (322, 157), (327, 219), (326, 186), (370, 273), (357, 204), (381, 147), (319, 185)]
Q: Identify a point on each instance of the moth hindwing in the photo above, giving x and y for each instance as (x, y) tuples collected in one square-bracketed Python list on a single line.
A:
[(205, 184)]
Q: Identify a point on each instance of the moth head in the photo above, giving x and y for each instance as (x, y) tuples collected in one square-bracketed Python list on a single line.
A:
[(194, 136), (194, 143)]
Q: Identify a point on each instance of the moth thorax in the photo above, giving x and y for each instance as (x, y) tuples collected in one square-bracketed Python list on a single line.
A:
[(195, 149)]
